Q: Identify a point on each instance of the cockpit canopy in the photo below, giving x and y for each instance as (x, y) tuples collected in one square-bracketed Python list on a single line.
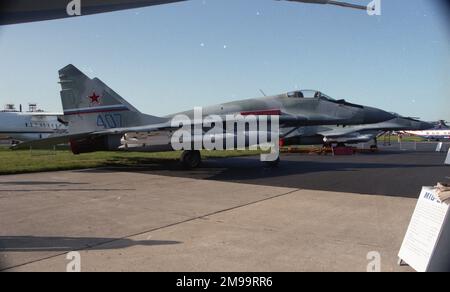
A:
[(309, 94)]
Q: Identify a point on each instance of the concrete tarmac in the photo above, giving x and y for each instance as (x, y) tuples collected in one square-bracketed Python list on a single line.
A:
[(312, 213)]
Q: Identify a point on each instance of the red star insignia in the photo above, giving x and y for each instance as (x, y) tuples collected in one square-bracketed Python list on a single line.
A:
[(95, 98)]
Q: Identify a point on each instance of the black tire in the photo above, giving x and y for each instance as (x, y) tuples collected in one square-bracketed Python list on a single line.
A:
[(190, 159)]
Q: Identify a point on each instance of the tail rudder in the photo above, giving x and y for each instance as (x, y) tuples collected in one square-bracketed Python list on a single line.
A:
[(442, 124), (79, 93), (90, 105)]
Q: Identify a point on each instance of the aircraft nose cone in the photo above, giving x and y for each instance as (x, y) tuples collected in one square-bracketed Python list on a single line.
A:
[(374, 115)]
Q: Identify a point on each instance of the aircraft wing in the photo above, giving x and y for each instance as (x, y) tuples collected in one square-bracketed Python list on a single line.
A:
[(165, 126), (22, 11), (284, 120), (50, 141)]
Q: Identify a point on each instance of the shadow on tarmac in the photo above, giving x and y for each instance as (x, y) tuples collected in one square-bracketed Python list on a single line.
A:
[(63, 244), (389, 173)]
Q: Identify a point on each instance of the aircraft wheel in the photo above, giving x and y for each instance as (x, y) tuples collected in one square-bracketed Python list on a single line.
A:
[(272, 164), (191, 159)]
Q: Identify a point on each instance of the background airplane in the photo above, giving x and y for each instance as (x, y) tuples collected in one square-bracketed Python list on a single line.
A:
[(101, 120), (31, 125), (327, 135), (440, 131), (21, 11)]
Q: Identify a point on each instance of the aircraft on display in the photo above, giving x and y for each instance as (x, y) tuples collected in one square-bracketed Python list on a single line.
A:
[(353, 134), (31, 125), (439, 131), (22, 11), (101, 120)]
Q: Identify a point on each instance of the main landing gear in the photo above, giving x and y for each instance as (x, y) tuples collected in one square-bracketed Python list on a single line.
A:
[(191, 159), (374, 146)]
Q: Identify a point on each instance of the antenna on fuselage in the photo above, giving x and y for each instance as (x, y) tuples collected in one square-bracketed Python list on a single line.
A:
[(262, 92)]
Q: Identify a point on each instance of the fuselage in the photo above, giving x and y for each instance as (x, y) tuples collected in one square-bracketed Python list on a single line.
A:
[(435, 134), (307, 107), (15, 11)]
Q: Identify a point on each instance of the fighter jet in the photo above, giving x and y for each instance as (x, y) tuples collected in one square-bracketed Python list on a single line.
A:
[(327, 135), (99, 119), (21, 11), (31, 125)]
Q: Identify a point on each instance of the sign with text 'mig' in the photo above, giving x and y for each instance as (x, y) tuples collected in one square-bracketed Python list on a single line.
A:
[(426, 246)]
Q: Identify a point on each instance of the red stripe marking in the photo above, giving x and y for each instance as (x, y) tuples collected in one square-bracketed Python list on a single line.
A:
[(272, 112)]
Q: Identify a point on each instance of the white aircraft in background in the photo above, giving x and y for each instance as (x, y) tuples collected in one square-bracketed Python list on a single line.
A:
[(34, 124), (440, 132)]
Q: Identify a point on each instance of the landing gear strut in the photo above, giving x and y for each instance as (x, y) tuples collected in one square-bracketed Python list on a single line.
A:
[(374, 146), (191, 159)]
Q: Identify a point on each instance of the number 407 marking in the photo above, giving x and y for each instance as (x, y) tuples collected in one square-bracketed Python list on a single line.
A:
[(109, 121)]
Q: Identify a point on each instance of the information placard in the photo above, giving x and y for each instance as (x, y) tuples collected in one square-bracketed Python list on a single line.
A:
[(426, 243)]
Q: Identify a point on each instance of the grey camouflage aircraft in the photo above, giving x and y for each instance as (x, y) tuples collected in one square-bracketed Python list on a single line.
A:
[(101, 120), (21, 11), (353, 134)]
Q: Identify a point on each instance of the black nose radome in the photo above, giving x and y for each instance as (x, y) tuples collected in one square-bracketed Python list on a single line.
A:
[(374, 115)]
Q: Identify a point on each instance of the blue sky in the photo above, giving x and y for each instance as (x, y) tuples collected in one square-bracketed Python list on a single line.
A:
[(169, 58)]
